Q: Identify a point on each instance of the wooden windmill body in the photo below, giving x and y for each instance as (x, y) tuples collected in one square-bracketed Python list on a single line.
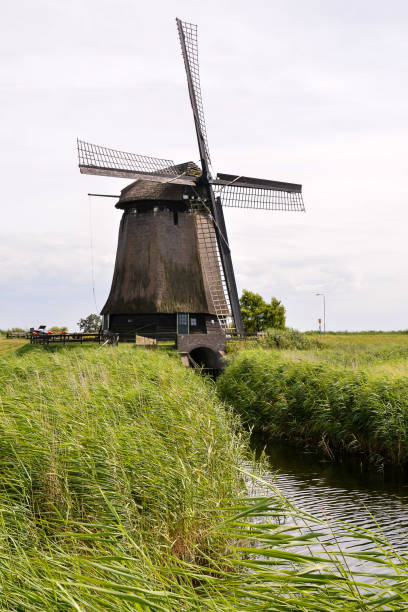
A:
[(173, 271), (163, 268)]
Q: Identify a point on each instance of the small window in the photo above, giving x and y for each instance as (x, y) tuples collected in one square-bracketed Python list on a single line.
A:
[(193, 322)]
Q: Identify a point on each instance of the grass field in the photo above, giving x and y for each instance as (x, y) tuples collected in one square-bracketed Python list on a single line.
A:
[(122, 488), (10, 346), (361, 350), (386, 355)]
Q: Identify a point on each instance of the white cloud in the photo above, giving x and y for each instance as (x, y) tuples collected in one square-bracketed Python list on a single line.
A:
[(308, 92)]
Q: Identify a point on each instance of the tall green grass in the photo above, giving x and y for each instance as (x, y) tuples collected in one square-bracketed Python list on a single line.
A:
[(350, 349), (368, 332), (11, 346), (96, 441), (123, 487), (335, 409)]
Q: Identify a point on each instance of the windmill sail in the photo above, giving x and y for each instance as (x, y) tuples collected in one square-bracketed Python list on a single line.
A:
[(189, 48), (247, 192), (94, 159)]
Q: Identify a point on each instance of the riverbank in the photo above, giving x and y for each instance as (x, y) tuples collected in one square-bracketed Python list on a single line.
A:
[(348, 396), (111, 452), (124, 486)]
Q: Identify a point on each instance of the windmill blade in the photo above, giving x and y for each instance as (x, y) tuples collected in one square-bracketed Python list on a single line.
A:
[(94, 159), (247, 192), (189, 48)]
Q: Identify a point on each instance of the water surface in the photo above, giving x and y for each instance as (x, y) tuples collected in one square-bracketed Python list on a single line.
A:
[(348, 492)]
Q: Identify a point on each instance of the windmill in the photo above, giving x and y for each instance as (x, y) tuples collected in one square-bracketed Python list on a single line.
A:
[(173, 270)]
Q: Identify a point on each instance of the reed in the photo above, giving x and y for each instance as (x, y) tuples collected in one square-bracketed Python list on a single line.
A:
[(334, 409), (123, 487)]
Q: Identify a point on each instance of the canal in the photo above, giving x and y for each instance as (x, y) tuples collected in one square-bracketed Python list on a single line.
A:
[(348, 492)]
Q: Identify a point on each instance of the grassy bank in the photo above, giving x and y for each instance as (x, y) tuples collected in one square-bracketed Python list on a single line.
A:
[(350, 395), (118, 451), (121, 488)]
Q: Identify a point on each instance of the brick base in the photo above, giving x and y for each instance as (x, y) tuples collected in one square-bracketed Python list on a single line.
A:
[(209, 347)]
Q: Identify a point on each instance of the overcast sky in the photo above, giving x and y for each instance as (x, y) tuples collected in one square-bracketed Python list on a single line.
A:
[(308, 91)]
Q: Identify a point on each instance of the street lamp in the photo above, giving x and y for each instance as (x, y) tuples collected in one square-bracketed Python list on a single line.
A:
[(324, 311)]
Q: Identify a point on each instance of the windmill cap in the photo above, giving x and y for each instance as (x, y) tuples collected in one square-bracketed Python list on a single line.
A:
[(148, 189), (189, 168)]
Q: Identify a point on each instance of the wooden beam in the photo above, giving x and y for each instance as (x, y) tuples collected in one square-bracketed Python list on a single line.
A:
[(131, 174), (255, 183)]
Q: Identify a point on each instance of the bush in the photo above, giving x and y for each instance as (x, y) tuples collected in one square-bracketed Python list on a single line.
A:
[(55, 329), (274, 338), (90, 324), (289, 339), (257, 314)]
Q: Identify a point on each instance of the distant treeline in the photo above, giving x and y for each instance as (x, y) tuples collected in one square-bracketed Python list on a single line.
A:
[(55, 329), (4, 332)]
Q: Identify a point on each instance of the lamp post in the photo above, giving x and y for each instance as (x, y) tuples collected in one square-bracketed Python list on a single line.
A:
[(324, 311)]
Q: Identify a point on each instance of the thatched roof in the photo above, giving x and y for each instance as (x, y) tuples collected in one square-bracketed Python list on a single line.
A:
[(148, 189)]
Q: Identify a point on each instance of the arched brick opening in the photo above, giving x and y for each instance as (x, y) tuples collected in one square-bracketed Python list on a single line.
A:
[(205, 357)]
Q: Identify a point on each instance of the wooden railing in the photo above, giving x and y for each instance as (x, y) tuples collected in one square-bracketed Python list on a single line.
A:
[(79, 337), (22, 334)]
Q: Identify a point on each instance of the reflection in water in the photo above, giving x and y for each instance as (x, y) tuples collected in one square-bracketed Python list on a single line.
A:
[(342, 492)]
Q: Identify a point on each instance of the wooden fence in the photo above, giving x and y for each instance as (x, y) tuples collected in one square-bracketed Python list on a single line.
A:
[(22, 334), (100, 337)]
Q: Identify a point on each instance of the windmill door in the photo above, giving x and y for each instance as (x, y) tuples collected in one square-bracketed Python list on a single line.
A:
[(182, 323)]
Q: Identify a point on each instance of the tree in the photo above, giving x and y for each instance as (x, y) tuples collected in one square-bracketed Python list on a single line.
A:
[(90, 324), (55, 329), (258, 315)]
